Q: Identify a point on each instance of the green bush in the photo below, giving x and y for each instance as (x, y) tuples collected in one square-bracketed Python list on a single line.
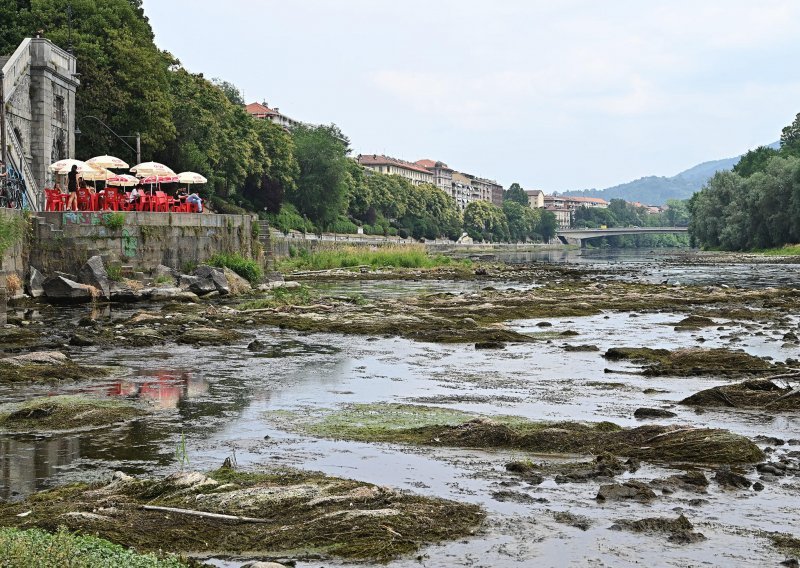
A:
[(401, 256), (114, 221), (11, 229), (289, 219), (35, 547), (225, 207), (342, 225), (114, 271), (247, 269)]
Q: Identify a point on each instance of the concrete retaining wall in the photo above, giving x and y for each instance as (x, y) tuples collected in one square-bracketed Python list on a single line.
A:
[(63, 241)]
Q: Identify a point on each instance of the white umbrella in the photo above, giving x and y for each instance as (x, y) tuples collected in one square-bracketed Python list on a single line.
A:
[(122, 180), (64, 166), (107, 162), (191, 177), (101, 174), (152, 168)]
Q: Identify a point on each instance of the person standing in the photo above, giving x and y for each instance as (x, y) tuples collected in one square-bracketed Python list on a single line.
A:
[(72, 187)]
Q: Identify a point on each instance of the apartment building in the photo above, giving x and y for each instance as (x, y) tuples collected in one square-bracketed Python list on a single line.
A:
[(414, 173), (442, 174), (264, 112)]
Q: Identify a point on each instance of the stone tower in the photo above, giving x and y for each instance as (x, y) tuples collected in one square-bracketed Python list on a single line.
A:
[(39, 82)]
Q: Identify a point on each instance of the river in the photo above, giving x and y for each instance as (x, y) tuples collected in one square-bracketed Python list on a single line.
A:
[(219, 400)]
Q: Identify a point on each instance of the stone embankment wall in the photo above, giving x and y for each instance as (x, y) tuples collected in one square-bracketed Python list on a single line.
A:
[(278, 245), (64, 241), (14, 256)]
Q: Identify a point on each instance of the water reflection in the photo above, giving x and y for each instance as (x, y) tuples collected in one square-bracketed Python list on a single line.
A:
[(26, 461), (165, 389)]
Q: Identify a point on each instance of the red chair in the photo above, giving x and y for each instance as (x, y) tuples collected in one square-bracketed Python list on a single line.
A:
[(162, 202), (54, 200), (84, 199), (124, 203), (110, 199)]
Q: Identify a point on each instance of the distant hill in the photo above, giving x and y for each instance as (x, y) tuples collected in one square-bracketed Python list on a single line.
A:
[(654, 190)]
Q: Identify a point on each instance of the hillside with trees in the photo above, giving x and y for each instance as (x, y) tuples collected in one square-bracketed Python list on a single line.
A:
[(658, 190), (755, 206)]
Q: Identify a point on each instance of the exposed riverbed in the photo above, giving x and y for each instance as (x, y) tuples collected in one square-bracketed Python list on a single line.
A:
[(230, 402)]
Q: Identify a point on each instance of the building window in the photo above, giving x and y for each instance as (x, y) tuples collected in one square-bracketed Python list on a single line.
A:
[(59, 110)]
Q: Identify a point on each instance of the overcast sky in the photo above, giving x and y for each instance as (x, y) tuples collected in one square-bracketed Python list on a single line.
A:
[(556, 95)]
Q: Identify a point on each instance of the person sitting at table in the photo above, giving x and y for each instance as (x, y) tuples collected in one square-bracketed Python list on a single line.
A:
[(88, 188), (194, 198), (135, 195), (57, 188)]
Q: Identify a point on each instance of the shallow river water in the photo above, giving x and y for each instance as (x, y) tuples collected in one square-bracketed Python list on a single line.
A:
[(220, 400)]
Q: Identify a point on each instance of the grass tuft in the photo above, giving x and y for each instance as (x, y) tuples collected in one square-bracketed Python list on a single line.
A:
[(35, 547), (350, 257)]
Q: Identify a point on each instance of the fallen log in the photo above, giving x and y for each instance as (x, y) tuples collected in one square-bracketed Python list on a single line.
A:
[(205, 514)]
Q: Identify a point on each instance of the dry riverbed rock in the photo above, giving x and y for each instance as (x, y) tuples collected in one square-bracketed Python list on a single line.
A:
[(755, 393), (678, 531), (227, 512)]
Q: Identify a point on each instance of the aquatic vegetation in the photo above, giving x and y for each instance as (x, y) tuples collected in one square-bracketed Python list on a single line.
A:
[(432, 426), (261, 512), (65, 413), (692, 362), (35, 547), (405, 256), (756, 393)]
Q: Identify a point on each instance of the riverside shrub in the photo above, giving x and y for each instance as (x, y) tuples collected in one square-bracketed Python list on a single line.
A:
[(247, 269)]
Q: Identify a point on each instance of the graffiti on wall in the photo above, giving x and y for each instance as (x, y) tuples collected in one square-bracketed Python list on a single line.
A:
[(129, 244), (83, 218)]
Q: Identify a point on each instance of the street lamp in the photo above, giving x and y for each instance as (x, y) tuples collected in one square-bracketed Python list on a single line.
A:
[(137, 151)]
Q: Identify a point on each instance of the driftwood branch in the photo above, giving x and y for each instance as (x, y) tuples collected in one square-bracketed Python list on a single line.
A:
[(794, 392), (203, 514)]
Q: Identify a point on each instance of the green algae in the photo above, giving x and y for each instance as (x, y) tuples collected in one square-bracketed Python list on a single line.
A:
[(65, 413), (47, 373), (692, 362), (752, 394), (433, 426), (270, 512)]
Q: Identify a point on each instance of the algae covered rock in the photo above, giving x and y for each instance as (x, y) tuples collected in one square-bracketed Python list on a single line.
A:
[(678, 531), (691, 362), (208, 336), (46, 366), (434, 426), (66, 413), (227, 512), (755, 393), (630, 490)]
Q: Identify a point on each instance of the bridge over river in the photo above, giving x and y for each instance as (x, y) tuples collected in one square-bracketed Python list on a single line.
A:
[(567, 236)]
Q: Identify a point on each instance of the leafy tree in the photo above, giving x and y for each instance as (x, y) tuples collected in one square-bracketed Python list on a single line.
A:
[(485, 222), (517, 194), (231, 91), (677, 213), (321, 192), (547, 225), (754, 161), (790, 136)]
